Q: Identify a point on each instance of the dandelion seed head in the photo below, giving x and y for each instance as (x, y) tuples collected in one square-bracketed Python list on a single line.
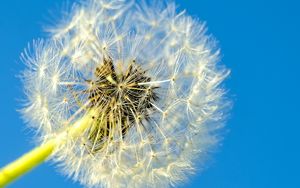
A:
[(151, 76)]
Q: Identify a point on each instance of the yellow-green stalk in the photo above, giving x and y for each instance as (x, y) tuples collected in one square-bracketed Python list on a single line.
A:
[(33, 158)]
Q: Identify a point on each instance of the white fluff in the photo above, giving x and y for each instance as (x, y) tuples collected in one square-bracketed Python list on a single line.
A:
[(179, 57)]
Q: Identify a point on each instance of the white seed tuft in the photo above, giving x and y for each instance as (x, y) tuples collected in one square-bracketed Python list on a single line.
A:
[(150, 72)]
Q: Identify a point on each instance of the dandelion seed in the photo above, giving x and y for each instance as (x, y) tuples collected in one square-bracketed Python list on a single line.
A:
[(125, 94)]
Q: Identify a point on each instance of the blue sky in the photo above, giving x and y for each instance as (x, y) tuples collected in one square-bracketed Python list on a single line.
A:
[(260, 43)]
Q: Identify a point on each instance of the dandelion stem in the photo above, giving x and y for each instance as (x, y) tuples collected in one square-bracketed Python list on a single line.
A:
[(26, 162), (35, 157)]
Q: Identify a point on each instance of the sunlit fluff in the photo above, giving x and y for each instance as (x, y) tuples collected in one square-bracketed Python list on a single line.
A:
[(137, 139)]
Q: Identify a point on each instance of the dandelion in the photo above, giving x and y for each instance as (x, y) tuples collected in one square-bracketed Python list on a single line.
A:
[(123, 94)]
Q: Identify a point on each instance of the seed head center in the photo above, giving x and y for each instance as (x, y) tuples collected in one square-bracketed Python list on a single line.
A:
[(120, 101)]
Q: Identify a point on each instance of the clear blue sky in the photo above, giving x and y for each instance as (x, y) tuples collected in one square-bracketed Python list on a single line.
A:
[(260, 42)]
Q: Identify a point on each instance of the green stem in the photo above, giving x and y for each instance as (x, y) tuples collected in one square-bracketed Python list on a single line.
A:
[(25, 163), (39, 154)]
